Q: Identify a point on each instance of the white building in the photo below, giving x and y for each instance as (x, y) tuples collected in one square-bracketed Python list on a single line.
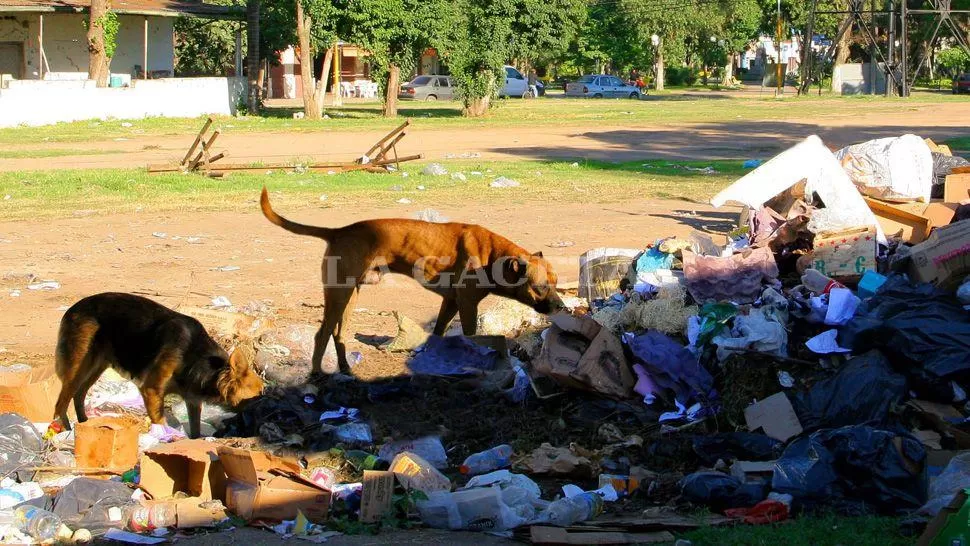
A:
[(44, 63)]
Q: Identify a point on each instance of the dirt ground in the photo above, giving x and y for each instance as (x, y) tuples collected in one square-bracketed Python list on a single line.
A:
[(669, 141), (87, 255)]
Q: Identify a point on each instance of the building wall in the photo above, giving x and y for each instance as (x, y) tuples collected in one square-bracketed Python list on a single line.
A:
[(31, 102), (65, 44)]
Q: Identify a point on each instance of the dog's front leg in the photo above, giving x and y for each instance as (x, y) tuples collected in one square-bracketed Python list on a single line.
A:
[(468, 310), (194, 409)]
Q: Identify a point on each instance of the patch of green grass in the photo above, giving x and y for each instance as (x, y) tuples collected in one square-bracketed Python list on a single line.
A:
[(807, 531), (959, 144), (673, 107), (52, 152), (64, 193)]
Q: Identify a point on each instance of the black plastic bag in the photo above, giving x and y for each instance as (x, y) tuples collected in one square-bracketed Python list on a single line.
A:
[(862, 392), (721, 491), (744, 446), (854, 469), (943, 166), (84, 503), (20, 447), (915, 326)]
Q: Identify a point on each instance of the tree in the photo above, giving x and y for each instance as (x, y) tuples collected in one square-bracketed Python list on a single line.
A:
[(544, 29), (394, 34), (739, 26), (311, 24), (205, 47), (475, 42), (675, 28), (954, 60), (102, 33)]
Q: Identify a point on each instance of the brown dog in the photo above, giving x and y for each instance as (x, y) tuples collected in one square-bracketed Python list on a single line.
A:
[(462, 263), (161, 350)]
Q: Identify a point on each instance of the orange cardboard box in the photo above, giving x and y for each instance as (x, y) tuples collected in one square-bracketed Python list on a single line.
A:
[(107, 442), (31, 393), (187, 466), (264, 487)]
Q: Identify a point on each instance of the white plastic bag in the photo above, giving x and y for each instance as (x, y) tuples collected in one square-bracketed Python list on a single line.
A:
[(893, 169), (954, 478), (479, 509)]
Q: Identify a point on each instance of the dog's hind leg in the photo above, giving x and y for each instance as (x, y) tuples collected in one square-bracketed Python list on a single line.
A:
[(341, 332), (95, 366), (72, 356), (336, 300)]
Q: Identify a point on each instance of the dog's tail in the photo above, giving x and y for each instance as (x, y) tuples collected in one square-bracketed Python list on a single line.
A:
[(300, 229)]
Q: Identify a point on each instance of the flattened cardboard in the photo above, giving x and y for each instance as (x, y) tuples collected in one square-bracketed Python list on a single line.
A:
[(905, 219), (579, 353), (775, 415), (377, 495), (845, 255), (188, 466), (936, 416), (956, 188), (263, 487), (944, 258), (226, 322), (107, 442), (31, 393)]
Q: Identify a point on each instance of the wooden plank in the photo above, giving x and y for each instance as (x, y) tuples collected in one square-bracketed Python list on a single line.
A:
[(386, 148), (205, 150), (558, 535), (387, 137), (198, 139)]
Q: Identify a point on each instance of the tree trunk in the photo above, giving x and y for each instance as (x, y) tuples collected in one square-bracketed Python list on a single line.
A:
[(253, 66), (477, 107), (659, 68), (303, 24), (98, 62), (261, 82), (842, 49), (728, 71), (390, 91), (324, 78)]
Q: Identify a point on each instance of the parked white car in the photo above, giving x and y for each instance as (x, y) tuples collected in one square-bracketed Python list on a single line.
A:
[(516, 85), (598, 87)]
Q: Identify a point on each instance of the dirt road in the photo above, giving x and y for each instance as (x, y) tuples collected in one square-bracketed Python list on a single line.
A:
[(93, 254), (668, 141)]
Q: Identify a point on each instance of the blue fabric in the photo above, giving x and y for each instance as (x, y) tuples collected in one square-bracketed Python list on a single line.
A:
[(452, 355)]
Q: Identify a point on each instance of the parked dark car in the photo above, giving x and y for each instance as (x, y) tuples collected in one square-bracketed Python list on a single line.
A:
[(961, 84)]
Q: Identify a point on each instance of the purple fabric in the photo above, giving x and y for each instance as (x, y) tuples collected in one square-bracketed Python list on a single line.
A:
[(668, 365)]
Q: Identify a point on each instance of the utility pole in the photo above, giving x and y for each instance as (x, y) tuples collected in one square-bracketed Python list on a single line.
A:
[(778, 70), (904, 48), (892, 47)]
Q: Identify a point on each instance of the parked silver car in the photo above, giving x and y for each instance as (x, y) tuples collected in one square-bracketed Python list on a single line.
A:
[(601, 86), (427, 88)]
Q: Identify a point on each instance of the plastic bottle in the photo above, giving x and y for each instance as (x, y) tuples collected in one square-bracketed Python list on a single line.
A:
[(140, 518), (37, 523), (570, 510), (488, 460), (361, 460)]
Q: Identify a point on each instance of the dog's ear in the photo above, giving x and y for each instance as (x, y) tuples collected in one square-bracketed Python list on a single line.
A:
[(237, 360), (537, 254), (515, 268)]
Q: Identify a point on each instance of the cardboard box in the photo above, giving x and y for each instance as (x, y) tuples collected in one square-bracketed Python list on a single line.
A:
[(949, 527), (260, 487), (31, 393), (579, 353), (195, 512), (748, 471), (187, 466), (938, 417), (938, 148), (377, 495), (944, 258), (775, 415), (913, 221), (623, 485), (227, 323), (845, 255), (956, 188), (416, 473), (107, 442)]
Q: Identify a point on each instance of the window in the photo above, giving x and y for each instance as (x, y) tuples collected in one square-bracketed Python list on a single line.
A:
[(513, 73), (421, 80), (443, 82), (586, 79), (616, 82)]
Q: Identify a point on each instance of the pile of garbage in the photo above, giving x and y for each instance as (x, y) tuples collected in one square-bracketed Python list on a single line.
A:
[(815, 358)]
